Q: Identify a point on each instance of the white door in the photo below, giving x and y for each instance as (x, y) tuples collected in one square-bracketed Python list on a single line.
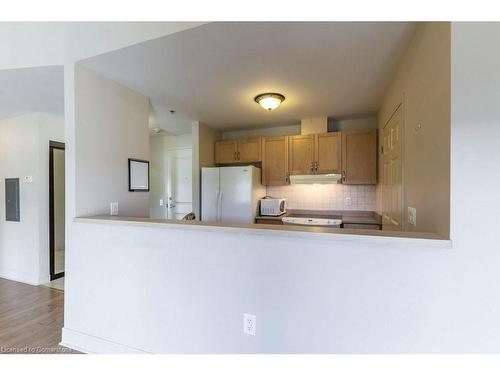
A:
[(236, 194), (392, 212), (180, 186)]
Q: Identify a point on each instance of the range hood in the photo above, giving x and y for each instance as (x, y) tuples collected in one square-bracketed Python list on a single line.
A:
[(331, 178)]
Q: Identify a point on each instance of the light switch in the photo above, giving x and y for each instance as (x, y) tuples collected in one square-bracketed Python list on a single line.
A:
[(412, 216), (348, 201), (114, 208), (161, 203), (28, 179)]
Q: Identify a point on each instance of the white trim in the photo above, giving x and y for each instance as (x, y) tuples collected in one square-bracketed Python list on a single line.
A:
[(21, 277), (94, 345)]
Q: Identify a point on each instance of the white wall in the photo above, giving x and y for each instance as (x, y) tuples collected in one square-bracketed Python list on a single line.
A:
[(262, 132), (311, 295), (204, 138), (24, 151), (112, 126), (423, 79), (27, 44), (353, 123)]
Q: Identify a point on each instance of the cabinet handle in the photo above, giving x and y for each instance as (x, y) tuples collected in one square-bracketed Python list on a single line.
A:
[(238, 155), (317, 166), (343, 176), (312, 166), (235, 155)]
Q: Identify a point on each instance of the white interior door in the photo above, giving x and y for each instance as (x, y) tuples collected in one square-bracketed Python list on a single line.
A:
[(180, 185), (392, 212)]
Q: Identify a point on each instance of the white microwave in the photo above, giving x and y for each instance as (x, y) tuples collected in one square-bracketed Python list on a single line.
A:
[(272, 206)]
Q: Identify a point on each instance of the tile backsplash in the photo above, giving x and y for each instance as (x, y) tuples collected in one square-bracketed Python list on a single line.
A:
[(326, 196)]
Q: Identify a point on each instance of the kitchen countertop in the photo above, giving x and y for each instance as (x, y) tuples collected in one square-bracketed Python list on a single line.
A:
[(348, 217), (299, 231)]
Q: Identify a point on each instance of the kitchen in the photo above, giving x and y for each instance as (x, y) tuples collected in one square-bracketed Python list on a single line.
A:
[(305, 172), (362, 137)]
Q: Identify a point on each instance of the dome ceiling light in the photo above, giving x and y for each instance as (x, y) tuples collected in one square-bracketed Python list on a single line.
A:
[(270, 100)]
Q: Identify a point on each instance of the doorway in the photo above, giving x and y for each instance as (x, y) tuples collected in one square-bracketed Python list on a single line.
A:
[(56, 209), (392, 176), (180, 186)]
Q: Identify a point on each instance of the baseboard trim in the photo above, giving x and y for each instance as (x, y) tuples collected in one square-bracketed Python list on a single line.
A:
[(94, 345), (20, 277)]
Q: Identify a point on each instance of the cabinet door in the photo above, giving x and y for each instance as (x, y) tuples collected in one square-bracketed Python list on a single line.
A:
[(225, 152), (328, 152), (249, 150), (359, 157), (275, 161), (301, 154)]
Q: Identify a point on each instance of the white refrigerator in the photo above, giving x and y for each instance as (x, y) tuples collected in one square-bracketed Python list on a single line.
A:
[(230, 193)]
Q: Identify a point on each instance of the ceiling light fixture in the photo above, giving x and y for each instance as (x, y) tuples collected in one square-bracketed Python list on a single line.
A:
[(270, 100)]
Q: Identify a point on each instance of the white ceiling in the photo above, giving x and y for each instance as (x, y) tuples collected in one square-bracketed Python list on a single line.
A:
[(39, 89), (212, 73)]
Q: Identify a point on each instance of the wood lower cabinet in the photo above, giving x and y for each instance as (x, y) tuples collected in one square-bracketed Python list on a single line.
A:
[(226, 152), (359, 157), (268, 221), (275, 161), (301, 154), (363, 226), (249, 150), (238, 151), (328, 153)]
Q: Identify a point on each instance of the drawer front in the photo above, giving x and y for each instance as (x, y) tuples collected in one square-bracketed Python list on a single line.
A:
[(362, 226), (268, 221)]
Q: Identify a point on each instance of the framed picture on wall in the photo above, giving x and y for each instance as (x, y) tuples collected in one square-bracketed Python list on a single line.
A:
[(138, 175)]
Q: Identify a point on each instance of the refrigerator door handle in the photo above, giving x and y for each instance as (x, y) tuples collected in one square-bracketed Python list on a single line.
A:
[(219, 206), (216, 204)]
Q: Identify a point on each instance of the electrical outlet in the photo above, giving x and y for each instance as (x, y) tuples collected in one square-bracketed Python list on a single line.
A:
[(249, 324), (113, 207), (348, 201), (412, 216)]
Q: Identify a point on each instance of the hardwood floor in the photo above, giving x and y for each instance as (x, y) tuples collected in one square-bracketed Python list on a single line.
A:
[(31, 318)]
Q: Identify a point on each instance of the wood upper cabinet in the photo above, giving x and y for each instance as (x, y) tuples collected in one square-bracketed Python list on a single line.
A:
[(249, 150), (238, 151), (328, 153), (275, 161), (226, 152), (359, 157), (315, 153), (301, 154)]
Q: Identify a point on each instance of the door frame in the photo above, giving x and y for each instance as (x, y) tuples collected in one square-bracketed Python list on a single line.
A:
[(53, 145)]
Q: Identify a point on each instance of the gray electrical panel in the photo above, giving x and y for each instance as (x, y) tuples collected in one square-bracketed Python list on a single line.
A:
[(12, 212)]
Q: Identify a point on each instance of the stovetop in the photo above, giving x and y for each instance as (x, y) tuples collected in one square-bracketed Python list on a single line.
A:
[(326, 222)]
